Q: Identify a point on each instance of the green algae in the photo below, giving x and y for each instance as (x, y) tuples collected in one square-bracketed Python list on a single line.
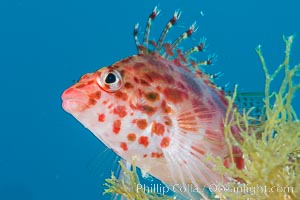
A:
[(127, 186), (271, 146)]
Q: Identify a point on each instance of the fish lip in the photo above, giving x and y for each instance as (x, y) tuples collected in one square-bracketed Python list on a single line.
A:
[(74, 100), (73, 105)]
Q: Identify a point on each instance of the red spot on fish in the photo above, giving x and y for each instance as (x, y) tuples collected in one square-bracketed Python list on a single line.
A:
[(110, 106), (92, 102), (165, 107), (117, 126), (165, 142), (152, 96), (128, 85), (141, 123), (120, 110), (90, 82), (95, 95), (144, 83), (174, 95), (156, 155), (149, 110), (145, 155), (143, 140), (121, 95), (136, 79), (101, 117), (167, 121), (123, 145), (131, 137), (157, 128)]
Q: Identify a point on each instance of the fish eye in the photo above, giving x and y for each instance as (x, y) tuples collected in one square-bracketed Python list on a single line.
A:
[(110, 80)]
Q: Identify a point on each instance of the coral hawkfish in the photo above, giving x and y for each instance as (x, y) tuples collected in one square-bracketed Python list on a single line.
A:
[(159, 108)]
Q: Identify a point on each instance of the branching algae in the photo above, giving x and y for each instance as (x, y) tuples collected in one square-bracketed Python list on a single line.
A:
[(271, 146), (127, 187)]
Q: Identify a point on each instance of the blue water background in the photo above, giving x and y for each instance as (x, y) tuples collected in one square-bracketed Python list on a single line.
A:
[(45, 153)]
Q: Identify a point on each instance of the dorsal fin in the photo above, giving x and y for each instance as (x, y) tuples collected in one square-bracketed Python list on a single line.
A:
[(171, 50)]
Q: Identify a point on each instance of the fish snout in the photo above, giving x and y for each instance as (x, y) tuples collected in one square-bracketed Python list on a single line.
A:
[(74, 100)]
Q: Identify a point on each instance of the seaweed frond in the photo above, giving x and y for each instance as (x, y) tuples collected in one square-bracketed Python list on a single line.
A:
[(130, 187), (271, 148)]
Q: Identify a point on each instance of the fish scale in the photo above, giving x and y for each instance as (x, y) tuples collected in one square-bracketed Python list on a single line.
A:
[(157, 108)]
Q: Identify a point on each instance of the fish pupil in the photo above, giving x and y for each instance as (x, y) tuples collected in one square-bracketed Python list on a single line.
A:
[(110, 78)]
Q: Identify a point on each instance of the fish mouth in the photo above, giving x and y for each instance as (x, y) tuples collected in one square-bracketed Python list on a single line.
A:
[(74, 101)]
